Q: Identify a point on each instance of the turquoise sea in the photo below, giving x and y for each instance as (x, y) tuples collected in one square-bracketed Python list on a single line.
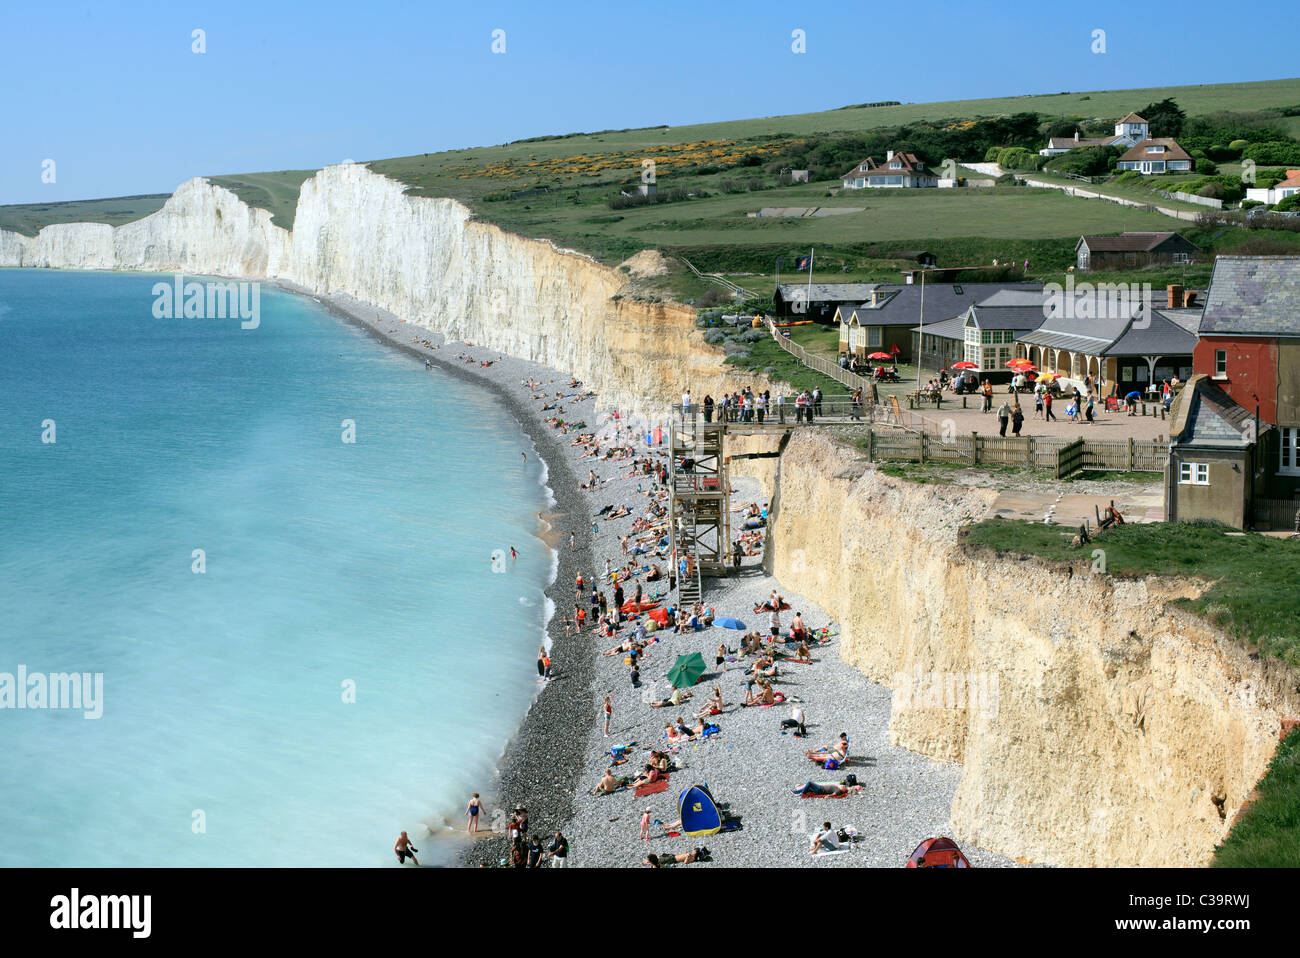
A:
[(346, 665)]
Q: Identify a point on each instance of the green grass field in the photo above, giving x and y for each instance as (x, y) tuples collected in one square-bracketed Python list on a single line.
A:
[(723, 166), (29, 218), (276, 192), (1268, 835)]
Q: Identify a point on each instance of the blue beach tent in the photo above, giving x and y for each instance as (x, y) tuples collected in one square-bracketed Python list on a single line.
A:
[(699, 812)]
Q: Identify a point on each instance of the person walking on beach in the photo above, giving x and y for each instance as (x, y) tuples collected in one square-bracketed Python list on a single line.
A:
[(572, 542), (608, 710), (405, 849), (541, 661), (721, 660), (472, 813)]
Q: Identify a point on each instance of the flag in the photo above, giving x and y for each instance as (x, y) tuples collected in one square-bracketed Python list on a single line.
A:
[(803, 262)]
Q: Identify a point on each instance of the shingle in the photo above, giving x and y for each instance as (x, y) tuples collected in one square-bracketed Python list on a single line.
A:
[(1253, 295)]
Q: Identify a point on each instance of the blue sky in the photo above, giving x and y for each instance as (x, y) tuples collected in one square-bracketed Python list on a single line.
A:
[(115, 96)]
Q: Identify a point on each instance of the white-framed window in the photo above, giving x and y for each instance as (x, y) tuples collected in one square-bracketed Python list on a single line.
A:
[(1220, 364), (1290, 464), (874, 335), (895, 165), (1182, 258), (1194, 473)]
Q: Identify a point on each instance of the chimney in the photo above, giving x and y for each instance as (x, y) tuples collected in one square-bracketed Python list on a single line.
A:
[(1076, 136), (1175, 295), (1189, 298), (889, 156)]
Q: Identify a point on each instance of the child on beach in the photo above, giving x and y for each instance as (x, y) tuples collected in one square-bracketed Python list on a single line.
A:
[(645, 825), (608, 710)]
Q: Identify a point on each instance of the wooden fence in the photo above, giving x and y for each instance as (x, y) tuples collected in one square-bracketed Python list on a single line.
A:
[(1064, 457), (1279, 514)]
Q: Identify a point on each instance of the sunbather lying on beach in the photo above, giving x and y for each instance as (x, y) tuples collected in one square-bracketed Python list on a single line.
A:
[(830, 788), (677, 733), (839, 751), (677, 698), (661, 861)]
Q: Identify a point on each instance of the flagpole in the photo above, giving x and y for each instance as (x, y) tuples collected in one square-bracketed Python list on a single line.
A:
[(811, 253), (920, 341)]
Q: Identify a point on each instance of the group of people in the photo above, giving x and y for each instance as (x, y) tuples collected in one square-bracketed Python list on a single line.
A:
[(748, 405)]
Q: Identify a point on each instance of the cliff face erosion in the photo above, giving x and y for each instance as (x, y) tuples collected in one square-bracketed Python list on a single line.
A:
[(1096, 724), (425, 260)]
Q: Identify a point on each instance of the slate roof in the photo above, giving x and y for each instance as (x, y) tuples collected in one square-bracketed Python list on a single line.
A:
[(1133, 242), (1253, 295), (1161, 337), (827, 292), (1206, 416), (942, 301), (1070, 143)]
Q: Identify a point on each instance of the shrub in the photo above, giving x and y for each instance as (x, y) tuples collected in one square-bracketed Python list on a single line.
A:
[(1288, 205), (753, 335), (1212, 190), (1206, 167), (1250, 204), (715, 337), (991, 154), (1273, 153), (1086, 161), (1238, 145)]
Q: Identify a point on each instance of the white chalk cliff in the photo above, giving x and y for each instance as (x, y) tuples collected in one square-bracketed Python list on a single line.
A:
[(425, 260)]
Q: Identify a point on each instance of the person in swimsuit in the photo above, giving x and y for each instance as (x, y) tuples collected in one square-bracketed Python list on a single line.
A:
[(405, 849), (475, 806), (721, 660)]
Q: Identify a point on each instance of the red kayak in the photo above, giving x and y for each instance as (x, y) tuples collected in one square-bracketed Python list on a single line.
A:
[(631, 608)]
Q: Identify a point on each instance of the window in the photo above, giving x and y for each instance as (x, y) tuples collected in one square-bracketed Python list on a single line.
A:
[(1155, 149), (957, 290), (1182, 258), (873, 335), (1290, 464), (1194, 473), (895, 165), (1220, 364)]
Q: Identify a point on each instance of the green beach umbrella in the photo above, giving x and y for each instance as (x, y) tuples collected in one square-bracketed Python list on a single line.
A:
[(687, 671)]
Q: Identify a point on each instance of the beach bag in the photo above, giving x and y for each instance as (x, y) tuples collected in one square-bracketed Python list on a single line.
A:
[(831, 765), (850, 780)]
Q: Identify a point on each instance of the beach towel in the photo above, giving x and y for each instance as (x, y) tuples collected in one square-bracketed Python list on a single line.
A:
[(652, 788)]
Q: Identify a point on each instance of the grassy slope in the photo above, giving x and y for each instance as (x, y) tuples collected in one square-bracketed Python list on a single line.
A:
[(29, 218), (588, 169), (1254, 580), (1268, 835), (277, 192)]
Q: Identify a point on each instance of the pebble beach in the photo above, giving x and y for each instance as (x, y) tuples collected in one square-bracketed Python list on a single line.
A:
[(752, 766)]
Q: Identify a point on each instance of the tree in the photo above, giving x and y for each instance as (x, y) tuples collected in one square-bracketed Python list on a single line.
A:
[(1165, 118)]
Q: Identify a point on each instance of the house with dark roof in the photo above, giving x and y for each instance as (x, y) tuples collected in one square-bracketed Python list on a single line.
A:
[(1133, 251), (985, 334), (1128, 131), (888, 318), (1250, 349), (1117, 337), (1215, 448), (818, 301), (898, 170), (1159, 155)]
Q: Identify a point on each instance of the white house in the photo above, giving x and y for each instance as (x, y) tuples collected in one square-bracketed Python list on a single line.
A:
[(1161, 155), (1276, 194), (898, 170), (1128, 132)]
